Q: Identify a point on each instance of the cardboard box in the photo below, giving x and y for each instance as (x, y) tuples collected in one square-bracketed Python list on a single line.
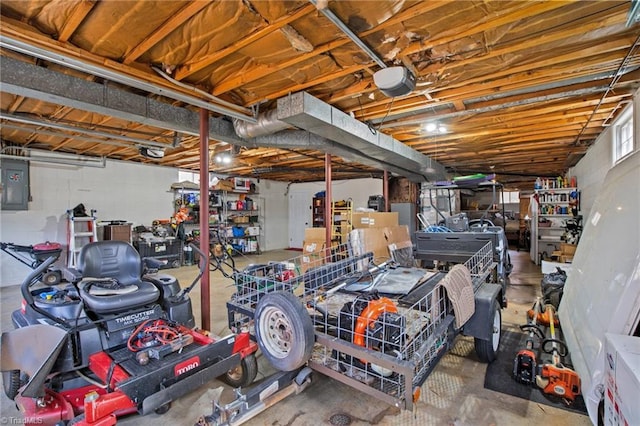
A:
[(315, 234), (312, 254), (374, 219), (224, 185), (253, 230), (378, 240), (568, 249)]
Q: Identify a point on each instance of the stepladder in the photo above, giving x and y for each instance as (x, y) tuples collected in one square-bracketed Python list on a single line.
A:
[(81, 230)]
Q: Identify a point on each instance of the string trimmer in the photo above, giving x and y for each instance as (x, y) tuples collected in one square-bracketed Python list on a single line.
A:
[(524, 364), (555, 378)]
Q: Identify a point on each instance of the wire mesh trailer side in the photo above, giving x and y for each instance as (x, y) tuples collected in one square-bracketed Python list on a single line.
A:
[(379, 338)]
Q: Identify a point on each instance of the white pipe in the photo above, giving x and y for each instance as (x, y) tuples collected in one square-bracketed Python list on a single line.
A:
[(61, 126), (99, 162), (198, 91)]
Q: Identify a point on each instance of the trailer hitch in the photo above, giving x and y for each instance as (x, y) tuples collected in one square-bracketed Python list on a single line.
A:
[(247, 405)]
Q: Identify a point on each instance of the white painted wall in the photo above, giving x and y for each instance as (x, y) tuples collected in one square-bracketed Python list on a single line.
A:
[(120, 191), (591, 170), (358, 190), (133, 192), (593, 167), (275, 215)]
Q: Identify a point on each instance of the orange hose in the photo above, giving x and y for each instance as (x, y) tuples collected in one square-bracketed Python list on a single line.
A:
[(369, 314)]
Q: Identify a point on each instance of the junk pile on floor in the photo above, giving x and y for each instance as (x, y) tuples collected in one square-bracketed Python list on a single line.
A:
[(160, 242)]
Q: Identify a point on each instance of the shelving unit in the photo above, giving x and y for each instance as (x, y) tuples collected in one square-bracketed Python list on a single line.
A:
[(243, 225), (227, 210), (317, 215), (553, 207), (342, 220)]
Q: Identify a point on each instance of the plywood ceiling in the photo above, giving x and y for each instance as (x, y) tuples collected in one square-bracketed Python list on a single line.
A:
[(520, 88)]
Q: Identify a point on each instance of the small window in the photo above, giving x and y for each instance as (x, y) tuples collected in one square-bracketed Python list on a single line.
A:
[(187, 175), (623, 136), (511, 197)]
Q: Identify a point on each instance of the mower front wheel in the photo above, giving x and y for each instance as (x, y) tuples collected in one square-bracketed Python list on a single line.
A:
[(11, 383), (52, 277), (243, 374), (284, 330), (163, 409)]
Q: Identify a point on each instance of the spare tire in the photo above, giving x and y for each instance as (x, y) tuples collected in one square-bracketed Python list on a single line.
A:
[(284, 330)]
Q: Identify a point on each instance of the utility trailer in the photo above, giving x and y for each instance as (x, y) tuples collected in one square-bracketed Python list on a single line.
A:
[(456, 238), (380, 329), (456, 247)]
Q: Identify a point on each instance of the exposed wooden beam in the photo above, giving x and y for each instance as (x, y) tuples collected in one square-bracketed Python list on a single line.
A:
[(490, 22), (262, 71), (323, 79), (186, 70), (175, 21), (80, 12), (572, 29), (575, 65)]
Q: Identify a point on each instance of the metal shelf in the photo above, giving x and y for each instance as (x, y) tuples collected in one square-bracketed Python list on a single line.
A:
[(555, 190)]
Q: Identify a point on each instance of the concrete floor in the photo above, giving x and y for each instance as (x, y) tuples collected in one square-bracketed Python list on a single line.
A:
[(452, 395)]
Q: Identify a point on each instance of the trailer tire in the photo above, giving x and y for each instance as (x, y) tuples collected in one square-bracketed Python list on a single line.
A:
[(243, 374), (11, 383), (284, 330), (487, 350)]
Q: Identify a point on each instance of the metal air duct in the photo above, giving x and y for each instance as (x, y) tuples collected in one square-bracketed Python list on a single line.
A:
[(309, 113)]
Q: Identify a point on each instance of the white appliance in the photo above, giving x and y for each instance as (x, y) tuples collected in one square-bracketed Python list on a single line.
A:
[(622, 394), (602, 291)]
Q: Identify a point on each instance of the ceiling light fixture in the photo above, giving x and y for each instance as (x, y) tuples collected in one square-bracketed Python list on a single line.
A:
[(223, 158), (153, 153), (442, 129), (430, 127)]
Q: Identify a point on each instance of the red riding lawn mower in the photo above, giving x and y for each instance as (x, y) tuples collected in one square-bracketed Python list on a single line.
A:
[(116, 339)]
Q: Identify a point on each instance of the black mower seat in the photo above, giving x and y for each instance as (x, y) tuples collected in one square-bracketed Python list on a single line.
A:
[(111, 282)]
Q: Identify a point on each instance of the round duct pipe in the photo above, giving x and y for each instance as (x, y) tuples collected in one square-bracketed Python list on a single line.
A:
[(267, 124)]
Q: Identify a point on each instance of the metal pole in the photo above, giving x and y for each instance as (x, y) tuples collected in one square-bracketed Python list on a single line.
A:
[(328, 222), (385, 190), (205, 294)]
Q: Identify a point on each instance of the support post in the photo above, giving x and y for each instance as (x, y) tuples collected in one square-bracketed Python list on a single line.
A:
[(385, 190), (205, 294), (328, 221)]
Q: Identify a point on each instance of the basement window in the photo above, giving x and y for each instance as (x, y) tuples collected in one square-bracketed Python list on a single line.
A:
[(623, 136), (511, 197), (187, 175)]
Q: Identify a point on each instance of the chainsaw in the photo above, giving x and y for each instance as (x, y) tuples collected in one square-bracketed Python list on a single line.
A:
[(554, 378)]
